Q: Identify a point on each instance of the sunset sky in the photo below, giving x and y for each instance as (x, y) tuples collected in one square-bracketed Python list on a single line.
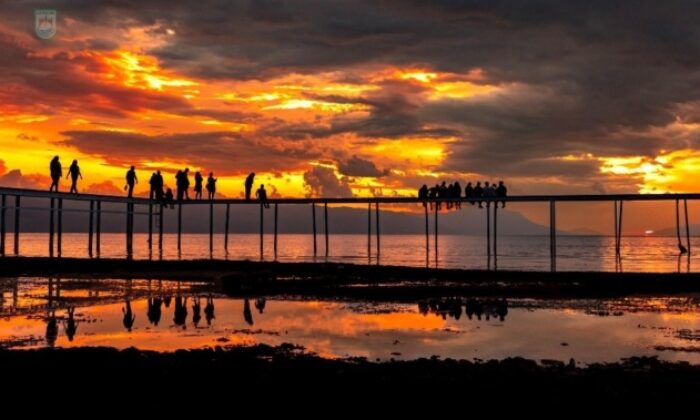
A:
[(363, 98)]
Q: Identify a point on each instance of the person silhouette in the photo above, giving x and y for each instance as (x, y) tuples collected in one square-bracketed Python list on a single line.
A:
[(469, 192), (129, 316), (501, 191), (56, 173), (74, 174), (211, 186), (70, 325), (479, 192), (249, 185), (159, 186), (198, 179), (209, 309), (247, 314), (131, 180), (261, 194), (260, 304), (155, 310), (51, 329), (423, 194), (169, 199), (180, 315), (457, 193), (196, 312), (179, 185), (153, 183)]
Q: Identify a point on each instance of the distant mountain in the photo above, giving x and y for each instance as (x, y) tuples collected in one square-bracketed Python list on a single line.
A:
[(293, 218), (671, 231), (584, 232)]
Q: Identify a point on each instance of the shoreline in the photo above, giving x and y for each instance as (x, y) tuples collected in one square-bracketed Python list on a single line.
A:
[(357, 280)]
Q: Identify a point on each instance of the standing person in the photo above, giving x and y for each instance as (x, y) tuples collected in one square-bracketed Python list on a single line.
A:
[(74, 173), (479, 192), (153, 183), (501, 191), (423, 194), (198, 179), (179, 186), (131, 180), (186, 183), (261, 193), (457, 190), (159, 186), (56, 173), (489, 192), (249, 185), (469, 192), (211, 186)]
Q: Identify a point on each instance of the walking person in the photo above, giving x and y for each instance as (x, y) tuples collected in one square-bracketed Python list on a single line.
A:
[(131, 180), (56, 173), (74, 174), (211, 186), (249, 185)]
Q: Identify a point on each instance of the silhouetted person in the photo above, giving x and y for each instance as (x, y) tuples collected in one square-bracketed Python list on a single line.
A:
[(155, 310), (449, 193), (198, 181), (249, 185), (74, 174), (423, 194), (261, 194), (70, 325), (169, 199), (56, 173), (196, 312), (131, 180), (209, 309), (180, 316), (247, 315), (179, 185), (51, 329), (186, 183), (166, 300), (433, 193), (211, 186), (129, 316), (156, 184), (501, 191), (478, 193), (469, 192), (457, 193), (260, 304)]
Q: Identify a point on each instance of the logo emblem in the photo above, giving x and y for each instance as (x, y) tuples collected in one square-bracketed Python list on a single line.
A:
[(45, 23)]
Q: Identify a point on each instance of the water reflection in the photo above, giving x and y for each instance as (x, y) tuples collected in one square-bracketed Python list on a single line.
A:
[(70, 313)]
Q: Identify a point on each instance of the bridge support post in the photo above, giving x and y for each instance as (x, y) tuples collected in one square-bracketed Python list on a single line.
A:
[(228, 211), (488, 235), (275, 239), (211, 228), (179, 228), (51, 226), (553, 235), (325, 227), (90, 228), (160, 230), (150, 225), (376, 211), (427, 235), (313, 224), (17, 220), (495, 235), (369, 230), (2, 224), (59, 236), (262, 221), (98, 228)]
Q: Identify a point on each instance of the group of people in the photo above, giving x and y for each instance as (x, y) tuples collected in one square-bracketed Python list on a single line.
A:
[(158, 189), (453, 192)]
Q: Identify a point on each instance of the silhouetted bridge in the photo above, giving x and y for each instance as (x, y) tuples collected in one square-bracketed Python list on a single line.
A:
[(153, 210)]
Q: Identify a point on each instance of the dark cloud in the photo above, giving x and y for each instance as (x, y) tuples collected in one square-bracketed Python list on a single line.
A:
[(357, 166), (224, 153)]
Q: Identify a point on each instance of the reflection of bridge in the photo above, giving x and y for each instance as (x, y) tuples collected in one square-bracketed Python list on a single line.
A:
[(154, 211)]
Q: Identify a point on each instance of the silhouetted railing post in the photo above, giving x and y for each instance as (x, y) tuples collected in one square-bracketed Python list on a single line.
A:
[(427, 235), (275, 239), (59, 236), (228, 211), (369, 230), (160, 229), (211, 228), (553, 235), (92, 210), (179, 227), (262, 220), (150, 224), (98, 228), (2, 225), (51, 227), (687, 226), (436, 234), (17, 220), (313, 224), (376, 208), (325, 227)]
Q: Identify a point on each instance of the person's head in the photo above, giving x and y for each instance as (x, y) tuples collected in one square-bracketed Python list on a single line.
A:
[(486, 183), (132, 168), (211, 174), (197, 173), (262, 186), (425, 186), (75, 161), (478, 183), (158, 172), (187, 170), (55, 157), (500, 183), (469, 183)]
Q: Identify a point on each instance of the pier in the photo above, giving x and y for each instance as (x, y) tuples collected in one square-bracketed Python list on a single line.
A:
[(12, 198)]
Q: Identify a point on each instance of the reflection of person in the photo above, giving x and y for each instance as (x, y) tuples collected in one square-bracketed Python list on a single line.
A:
[(51, 329), (154, 310), (209, 309), (129, 316), (196, 312), (247, 315), (260, 304), (71, 325), (180, 316)]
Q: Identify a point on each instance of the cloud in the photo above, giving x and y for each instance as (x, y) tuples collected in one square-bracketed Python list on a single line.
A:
[(323, 182), (15, 179), (104, 188), (357, 166), (3, 168)]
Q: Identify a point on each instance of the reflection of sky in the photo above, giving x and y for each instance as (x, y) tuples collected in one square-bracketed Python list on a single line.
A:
[(589, 253), (531, 329)]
